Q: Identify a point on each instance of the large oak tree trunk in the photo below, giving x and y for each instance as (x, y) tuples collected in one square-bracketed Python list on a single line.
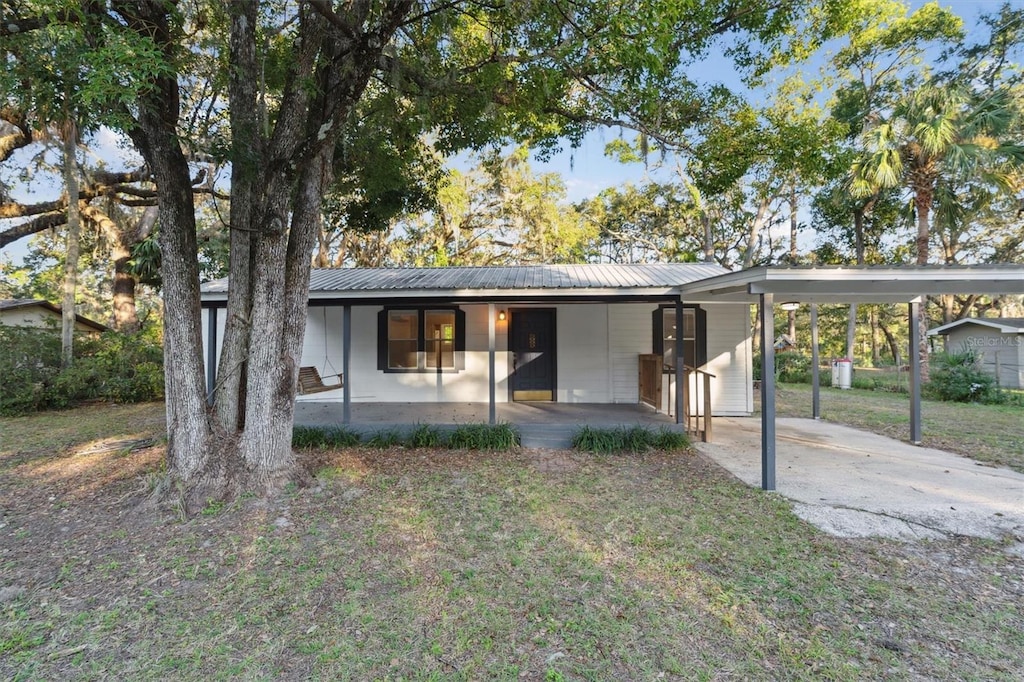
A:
[(243, 440), (122, 239), (68, 317), (190, 443)]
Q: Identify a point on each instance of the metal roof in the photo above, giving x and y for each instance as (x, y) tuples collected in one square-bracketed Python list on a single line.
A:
[(10, 304), (1006, 325), (696, 282), (534, 280), (14, 303), (856, 284)]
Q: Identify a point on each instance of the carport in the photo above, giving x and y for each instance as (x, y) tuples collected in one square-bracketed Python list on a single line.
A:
[(909, 285)]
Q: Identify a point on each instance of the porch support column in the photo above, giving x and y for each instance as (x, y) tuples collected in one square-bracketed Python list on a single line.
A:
[(915, 371), (492, 417), (211, 353), (815, 365), (767, 392), (681, 406), (346, 357)]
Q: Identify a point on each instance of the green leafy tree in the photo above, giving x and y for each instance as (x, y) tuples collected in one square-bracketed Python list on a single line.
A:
[(477, 73), (45, 91), (497, 212), (939, 138), (651, 223)]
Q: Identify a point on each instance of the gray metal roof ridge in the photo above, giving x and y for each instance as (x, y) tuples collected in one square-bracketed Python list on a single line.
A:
[(504, 277), (891, 266)]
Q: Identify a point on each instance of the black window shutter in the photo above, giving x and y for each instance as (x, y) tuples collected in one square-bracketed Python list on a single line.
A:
[(460, 339), (658, 330), (701, 320), (382, 339)]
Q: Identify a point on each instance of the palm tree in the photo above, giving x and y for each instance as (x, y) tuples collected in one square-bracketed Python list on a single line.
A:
[(940, 138), (941, 143)]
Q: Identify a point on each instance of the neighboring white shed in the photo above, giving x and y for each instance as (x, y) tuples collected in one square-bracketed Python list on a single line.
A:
[(999, 342), (31, 312)]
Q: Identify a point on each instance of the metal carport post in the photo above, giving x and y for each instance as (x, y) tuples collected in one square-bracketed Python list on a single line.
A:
[(767, 391)]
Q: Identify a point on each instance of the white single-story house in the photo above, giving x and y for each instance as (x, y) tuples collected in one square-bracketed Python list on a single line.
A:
[(586, 333), (40, 314), (563, 333), (998, 341)]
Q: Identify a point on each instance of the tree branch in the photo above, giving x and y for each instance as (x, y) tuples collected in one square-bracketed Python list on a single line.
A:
[(34, 226), (49, 214), (324, 9), (17, 132), (13, 26)]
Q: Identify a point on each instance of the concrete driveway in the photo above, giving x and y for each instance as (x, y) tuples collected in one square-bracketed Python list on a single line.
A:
[(852, 483)]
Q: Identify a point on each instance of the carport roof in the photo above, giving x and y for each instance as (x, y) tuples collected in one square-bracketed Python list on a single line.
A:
[(856, 284)]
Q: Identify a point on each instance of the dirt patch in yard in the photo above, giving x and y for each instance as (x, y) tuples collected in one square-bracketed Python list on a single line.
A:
[(419, 564)]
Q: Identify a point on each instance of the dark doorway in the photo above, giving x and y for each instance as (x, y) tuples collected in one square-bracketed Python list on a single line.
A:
[(532, 343)]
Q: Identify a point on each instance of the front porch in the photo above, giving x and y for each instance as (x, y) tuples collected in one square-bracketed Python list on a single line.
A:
[(540, 424)]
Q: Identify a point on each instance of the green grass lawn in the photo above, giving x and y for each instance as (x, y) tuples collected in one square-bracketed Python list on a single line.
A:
[(988, 433), (453, 565)]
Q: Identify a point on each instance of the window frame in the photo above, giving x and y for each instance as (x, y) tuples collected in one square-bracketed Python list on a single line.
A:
[(700, 341), (422, 342)]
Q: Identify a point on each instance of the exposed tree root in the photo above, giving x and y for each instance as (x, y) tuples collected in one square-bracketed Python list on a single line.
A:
[(224, 479)]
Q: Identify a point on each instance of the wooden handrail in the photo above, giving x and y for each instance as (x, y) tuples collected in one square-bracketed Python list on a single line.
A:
[(698, 407), (696, 413)]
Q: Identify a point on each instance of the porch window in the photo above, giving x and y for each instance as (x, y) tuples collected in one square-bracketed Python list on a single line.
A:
[(403, 339), (694, 336), (421, 339), (440, 339)]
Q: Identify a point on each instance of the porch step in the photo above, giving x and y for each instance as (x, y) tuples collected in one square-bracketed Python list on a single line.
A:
[(546, 436)]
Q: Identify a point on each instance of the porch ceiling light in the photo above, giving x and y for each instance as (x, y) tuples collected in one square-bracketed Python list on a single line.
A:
[(501, 316), (789, 305)]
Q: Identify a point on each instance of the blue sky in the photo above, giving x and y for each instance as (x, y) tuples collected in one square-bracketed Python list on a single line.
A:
[(587, 171)]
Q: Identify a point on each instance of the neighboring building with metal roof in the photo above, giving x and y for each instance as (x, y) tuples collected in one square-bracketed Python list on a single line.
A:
[(998, 342), (37, 313)]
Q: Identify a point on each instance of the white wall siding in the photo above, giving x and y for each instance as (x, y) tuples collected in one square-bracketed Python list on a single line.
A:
[(581, 337), (631, 335), (729, 359), (729, 355), (40, 318), (597, 356), (369, 384), (321, 346)]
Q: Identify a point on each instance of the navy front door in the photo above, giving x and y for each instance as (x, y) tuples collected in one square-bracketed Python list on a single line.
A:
[(532, 343)]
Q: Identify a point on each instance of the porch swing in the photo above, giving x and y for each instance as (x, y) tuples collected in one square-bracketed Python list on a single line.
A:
[(310, 379)]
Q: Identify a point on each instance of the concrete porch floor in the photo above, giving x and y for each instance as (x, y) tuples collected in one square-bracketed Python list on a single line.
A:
[(542, 424)]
